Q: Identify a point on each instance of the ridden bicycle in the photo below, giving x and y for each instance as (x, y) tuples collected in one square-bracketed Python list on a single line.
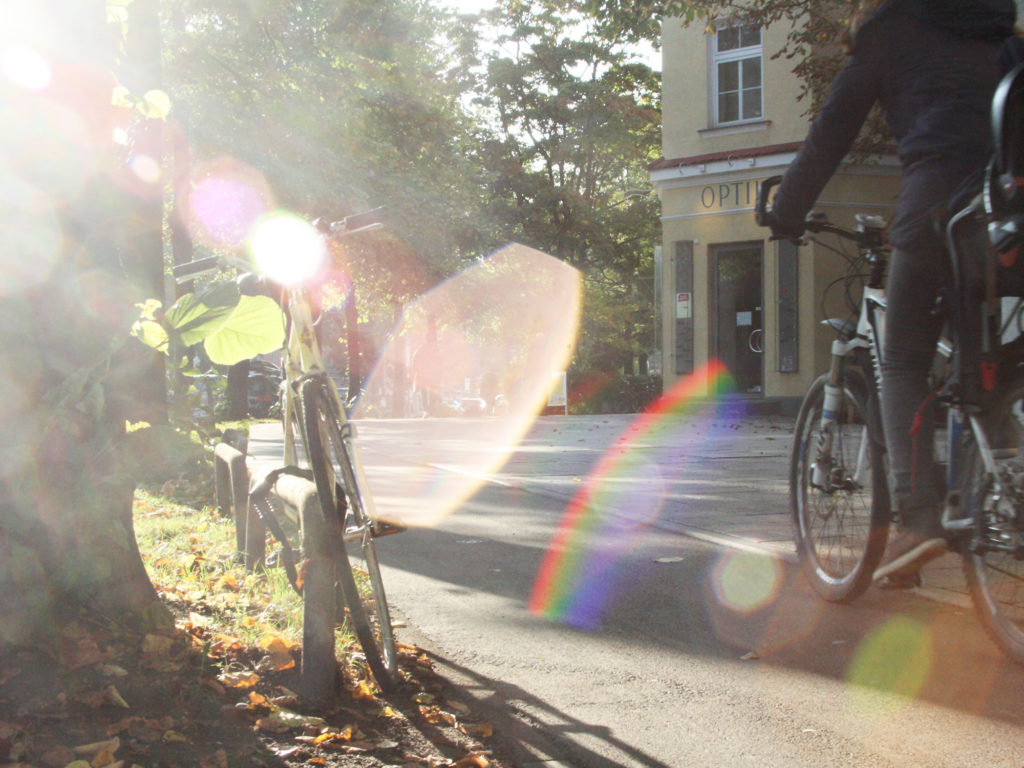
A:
[(839, 496), (319, 436)]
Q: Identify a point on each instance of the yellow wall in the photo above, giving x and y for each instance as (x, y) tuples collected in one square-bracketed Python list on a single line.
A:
[(686, 99)]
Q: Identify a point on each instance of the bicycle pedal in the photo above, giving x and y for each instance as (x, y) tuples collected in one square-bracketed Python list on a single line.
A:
[(387, 529)]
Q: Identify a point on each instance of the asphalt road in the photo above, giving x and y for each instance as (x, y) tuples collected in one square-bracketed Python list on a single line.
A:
[(605, 634), (652, 648), (685, 664)]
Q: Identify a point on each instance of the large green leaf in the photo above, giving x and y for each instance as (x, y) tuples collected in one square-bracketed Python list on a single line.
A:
[(196, 316), (256, 327), (151, 333)]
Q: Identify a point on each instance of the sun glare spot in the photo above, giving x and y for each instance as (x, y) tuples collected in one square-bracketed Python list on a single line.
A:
[(33, 239), (746, 581), (286, 248), (894, 659), (146, 169), (225, 201), (26, 68)]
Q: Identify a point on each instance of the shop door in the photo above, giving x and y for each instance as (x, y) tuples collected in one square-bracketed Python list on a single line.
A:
[(738, 331)]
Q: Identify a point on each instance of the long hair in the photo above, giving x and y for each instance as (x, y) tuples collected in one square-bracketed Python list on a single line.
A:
[(864, 10)]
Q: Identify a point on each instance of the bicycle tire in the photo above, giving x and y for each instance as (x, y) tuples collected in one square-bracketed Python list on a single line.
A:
[(996, 578), (839, 531), (342, 504)]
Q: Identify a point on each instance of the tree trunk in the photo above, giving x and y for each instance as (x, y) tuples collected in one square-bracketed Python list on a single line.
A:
[(69, 374)]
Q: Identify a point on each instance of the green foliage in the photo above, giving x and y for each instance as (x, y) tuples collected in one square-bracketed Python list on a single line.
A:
[(231, 327), (153, 454), (342, 106), (578, 122)]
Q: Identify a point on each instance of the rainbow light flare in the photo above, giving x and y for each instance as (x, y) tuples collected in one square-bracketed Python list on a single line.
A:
[(576, 579)]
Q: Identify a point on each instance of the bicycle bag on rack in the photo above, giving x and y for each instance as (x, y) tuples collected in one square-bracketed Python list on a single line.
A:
[(1003, 193)]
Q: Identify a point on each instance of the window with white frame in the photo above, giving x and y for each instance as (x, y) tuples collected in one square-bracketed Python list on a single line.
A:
[(736, 74)]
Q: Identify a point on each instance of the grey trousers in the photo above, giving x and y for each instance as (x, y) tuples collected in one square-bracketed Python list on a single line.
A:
[(912, 329)]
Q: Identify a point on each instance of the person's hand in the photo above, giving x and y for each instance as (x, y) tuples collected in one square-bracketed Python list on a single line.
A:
[(784, 230)]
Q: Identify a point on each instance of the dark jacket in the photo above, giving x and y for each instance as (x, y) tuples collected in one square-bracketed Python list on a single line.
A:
[(931, 64)]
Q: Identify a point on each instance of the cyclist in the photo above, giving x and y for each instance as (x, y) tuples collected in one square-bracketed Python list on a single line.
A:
[(931, 64)]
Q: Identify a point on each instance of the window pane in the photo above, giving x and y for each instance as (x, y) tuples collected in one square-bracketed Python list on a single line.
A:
[(752, 73), (728, 38), (729, 76), (751, 103), (728, 107), (750, 35)]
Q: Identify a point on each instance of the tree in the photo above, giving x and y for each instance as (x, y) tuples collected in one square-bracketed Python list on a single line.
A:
[(71, 279), (340, 107), (577, 123)]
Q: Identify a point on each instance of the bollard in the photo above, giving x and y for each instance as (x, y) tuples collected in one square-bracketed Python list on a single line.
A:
[(237, 439), (319, 597), (232, 473)]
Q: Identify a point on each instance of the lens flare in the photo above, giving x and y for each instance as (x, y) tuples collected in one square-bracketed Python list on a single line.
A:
[(287, 249), (745, 581), (577, 578), (225, 198), (26, 68), (487, 342), (32, 241), (895, 658), (145, 168)]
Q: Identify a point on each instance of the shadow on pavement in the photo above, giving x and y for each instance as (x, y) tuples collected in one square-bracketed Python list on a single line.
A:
[(532, 743)]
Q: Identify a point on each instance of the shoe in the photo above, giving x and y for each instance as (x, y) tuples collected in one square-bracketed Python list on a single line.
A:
[(907, 552), (899, 581)]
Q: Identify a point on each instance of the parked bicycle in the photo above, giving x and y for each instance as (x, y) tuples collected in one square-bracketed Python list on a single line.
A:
[(839, 495), (319, 437)]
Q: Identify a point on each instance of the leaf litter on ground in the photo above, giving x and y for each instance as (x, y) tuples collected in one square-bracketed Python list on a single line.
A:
[(218, 690)]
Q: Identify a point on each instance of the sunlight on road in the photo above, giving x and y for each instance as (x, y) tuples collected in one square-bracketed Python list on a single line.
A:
[(504, 328)]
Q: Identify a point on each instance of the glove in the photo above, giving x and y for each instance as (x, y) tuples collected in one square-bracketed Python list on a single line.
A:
[(785, 230)]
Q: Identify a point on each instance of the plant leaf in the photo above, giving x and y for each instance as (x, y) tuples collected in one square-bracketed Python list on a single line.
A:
[(195, 316), (256, 327)]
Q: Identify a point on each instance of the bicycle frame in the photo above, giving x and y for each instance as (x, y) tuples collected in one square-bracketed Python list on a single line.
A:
[(303, 360)]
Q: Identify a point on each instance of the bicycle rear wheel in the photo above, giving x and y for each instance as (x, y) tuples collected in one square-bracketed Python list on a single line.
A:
[(358, 570), (994, 559), (838, 496)]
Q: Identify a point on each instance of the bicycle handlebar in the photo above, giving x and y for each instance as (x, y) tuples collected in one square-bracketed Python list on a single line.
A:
[(365, 221), (869, 233)]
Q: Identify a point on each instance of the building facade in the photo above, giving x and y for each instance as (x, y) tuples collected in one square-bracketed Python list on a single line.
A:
[(731, 119)]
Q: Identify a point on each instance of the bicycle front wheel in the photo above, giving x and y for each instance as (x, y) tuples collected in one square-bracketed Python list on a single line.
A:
[(358, 570), (994, 559), (838, 496)]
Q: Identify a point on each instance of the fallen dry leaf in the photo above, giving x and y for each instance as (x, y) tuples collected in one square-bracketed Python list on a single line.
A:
[(94, 748), (283, 720), (112, 696), (273, 642), (227, 582), (474, 760), (478, 730), (276, 662), (243, 679), (363, 691)]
